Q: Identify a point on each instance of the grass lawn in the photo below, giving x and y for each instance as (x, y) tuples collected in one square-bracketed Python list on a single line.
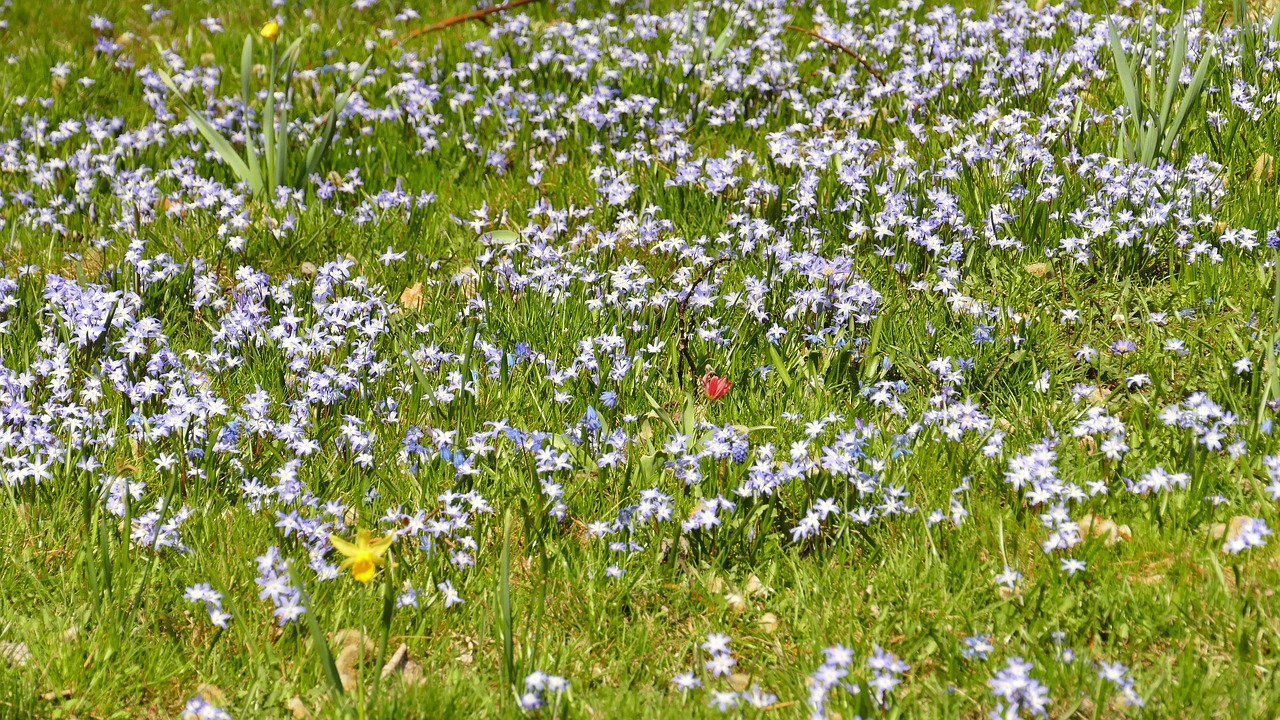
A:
[(588, 359)]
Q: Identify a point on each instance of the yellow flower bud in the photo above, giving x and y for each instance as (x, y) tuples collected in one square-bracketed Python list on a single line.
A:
[(270, 30)]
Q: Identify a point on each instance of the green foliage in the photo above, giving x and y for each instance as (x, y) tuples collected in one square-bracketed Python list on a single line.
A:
[(1151, 134), (275, 135)]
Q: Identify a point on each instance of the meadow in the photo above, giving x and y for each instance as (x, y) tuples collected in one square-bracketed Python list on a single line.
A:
[(639, 359)]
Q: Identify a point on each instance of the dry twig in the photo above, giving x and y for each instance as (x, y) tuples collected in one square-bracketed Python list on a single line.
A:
[(861, 60), (464, 17), (686, 358)]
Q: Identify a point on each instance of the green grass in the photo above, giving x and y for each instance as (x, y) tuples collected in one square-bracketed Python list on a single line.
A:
[(1198, 627)]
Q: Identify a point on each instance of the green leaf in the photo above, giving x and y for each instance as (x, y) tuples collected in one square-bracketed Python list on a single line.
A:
[(269, 136), (1150, 142), (1151, 81), (1132, 97), (317, 638), (724, 38), (781, 367), (688, 419), (657, 408), (1176, 61), (215, 139), (251, 153), (246, 68), (282, 138), (504, 603), (1188, 100), (504, 237), (322, 142), (1274, 30)]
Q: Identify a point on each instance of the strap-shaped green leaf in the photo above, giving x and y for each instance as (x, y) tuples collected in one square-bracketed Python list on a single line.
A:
[(216, 140), (322, 142), (1132, 97), (250, 152), (1188, 100), (724, 38), (282, 139), (1150, 107), (1176, 62)]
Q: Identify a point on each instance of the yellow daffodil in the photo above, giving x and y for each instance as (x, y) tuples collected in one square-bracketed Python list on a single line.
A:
[(364, 556), (270, 30)]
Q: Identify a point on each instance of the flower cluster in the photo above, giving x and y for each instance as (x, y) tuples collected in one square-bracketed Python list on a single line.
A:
[(274, 577), (537, 686), (1251, 533), (199, 708), (1118, 676), (1020, 694), (829, 676), (212, 599)]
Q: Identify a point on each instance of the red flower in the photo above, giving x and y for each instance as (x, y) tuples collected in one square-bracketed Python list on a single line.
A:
[(715, 387)]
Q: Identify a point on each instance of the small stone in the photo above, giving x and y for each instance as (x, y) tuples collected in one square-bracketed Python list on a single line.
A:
[(736, 602), (15, 653), (412, 675), (297, 708), (350, 656), (755, 587), (307, 268), (769, 623)]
